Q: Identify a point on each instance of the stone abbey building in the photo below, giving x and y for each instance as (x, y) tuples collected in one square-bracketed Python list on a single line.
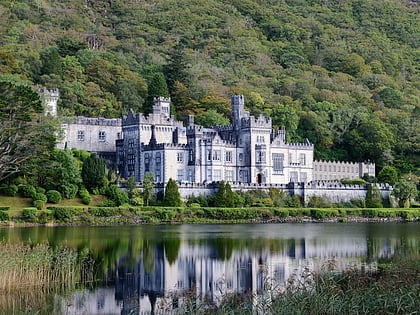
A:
[(249, 151)]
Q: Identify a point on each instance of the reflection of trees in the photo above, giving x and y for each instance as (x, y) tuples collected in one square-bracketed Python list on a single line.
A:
[(172, 245)]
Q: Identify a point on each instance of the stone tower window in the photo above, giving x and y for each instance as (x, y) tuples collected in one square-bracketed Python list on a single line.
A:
[(102, 135), (81, 135)]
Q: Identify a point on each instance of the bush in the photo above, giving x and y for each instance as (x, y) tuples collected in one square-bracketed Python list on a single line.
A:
[(69, 191), (4, 208), (84, 194), (29, 214), (44, 216), (104, 211), (370, 213), (10, 190), (323, 213), (194, 205), (282, 213), (107, 203), (293, 201), (319, 202), (118, 196), (65, 214), (39, 204), (40, 196), (4, 216), (27, 191), (53, 196), (40, 190)]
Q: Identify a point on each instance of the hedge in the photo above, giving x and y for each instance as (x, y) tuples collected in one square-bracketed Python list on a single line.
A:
[(4, 216), (105, 211), (65, 213), (4, 208)]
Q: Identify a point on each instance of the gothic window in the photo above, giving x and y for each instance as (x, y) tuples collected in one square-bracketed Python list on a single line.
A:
[(209, 178), (81, 135), (130, 162), (302, 159), (278, 161), (102, 135), (190, 155), (228, 156), (241, 157), (190, 176), (146, 162), (180, 157), (208, 155), (303, 177), (293, 177), (290, 158), (216, 155)]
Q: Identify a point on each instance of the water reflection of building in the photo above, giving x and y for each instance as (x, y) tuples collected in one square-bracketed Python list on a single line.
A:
[(211, 270)]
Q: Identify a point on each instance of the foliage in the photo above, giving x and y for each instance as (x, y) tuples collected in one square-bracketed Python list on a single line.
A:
[(93, 172), (373, 197), (84, 194), (148, 186), (29, 214), (172, 197), (40, 196), (4, 216), (118, 196), (136, 197), (404, 191), (388, 174), (27, 191), (25, 139), (9, 190), (319, 202), (53, 196), (39, 204)]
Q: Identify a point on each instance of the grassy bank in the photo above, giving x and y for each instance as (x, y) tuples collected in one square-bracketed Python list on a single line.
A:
[(138, 215)]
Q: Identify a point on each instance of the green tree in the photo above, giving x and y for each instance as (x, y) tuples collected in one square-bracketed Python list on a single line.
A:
[(25, 140), (172, 197), (224, 196), (211, 118), (93, 172), (373, 197), (157, 87), (148, 187), (131, 185), (404, 191), (388, 174)]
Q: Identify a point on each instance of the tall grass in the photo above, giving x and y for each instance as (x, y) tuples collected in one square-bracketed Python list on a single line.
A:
[(42, 267)]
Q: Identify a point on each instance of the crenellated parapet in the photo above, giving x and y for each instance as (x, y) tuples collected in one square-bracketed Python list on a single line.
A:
[(99, 121)]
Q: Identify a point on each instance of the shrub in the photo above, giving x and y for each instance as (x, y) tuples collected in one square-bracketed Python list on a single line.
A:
[(282, 213), (44, 216), (65, 214), (29, 214), (40, 196), (293, 201), (27, 191), (69, 191), (84, 194), (136, 197), (118, 196), (4, 216), (104, 211), (370, 213), (10, 190), (39, 204), (40, 190), (165, 214), (194, 205), (323, 213), (4, 208), (319, 202), (373, 197), (53, 196), (107, 203)]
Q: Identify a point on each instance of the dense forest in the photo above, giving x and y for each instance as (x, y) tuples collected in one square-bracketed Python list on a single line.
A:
[(343, 73)]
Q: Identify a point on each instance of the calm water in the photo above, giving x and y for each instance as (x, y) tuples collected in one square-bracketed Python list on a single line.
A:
[(143, 268)]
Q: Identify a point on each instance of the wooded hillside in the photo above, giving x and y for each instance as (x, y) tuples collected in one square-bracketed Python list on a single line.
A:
[(343, 73)]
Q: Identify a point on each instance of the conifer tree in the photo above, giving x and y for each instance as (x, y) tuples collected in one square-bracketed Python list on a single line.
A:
[(172, 197), (93, 172), (373, 197)]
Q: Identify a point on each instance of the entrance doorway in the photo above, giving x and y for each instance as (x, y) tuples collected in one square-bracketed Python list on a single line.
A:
[(259, 178)]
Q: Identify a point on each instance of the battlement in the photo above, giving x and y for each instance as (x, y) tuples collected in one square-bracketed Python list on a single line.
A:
[(161, 99), (99, 121), (162, 146), (303, 145), (50, 92)]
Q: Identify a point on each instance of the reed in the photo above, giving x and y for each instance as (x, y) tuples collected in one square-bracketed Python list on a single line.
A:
[(42, 266)]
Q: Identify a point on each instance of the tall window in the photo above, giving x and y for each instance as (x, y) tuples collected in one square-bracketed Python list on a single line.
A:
[(180, 157), (259, 156), (228, 156), (216, 155), (302, 159), (81, 135), (278, 162), (180, 175), (102, 135), (209, 178), (229, 175), (217, 176), (208, 155), (294, 177), (146, 162)]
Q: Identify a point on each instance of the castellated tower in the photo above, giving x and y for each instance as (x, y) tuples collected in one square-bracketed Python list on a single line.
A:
[(50, 99), (161, 105)]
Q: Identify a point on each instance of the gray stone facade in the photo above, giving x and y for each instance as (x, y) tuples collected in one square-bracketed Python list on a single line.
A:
[(248, 151), (336, 170)]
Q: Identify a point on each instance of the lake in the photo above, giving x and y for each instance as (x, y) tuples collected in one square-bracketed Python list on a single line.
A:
[(143, 269)]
